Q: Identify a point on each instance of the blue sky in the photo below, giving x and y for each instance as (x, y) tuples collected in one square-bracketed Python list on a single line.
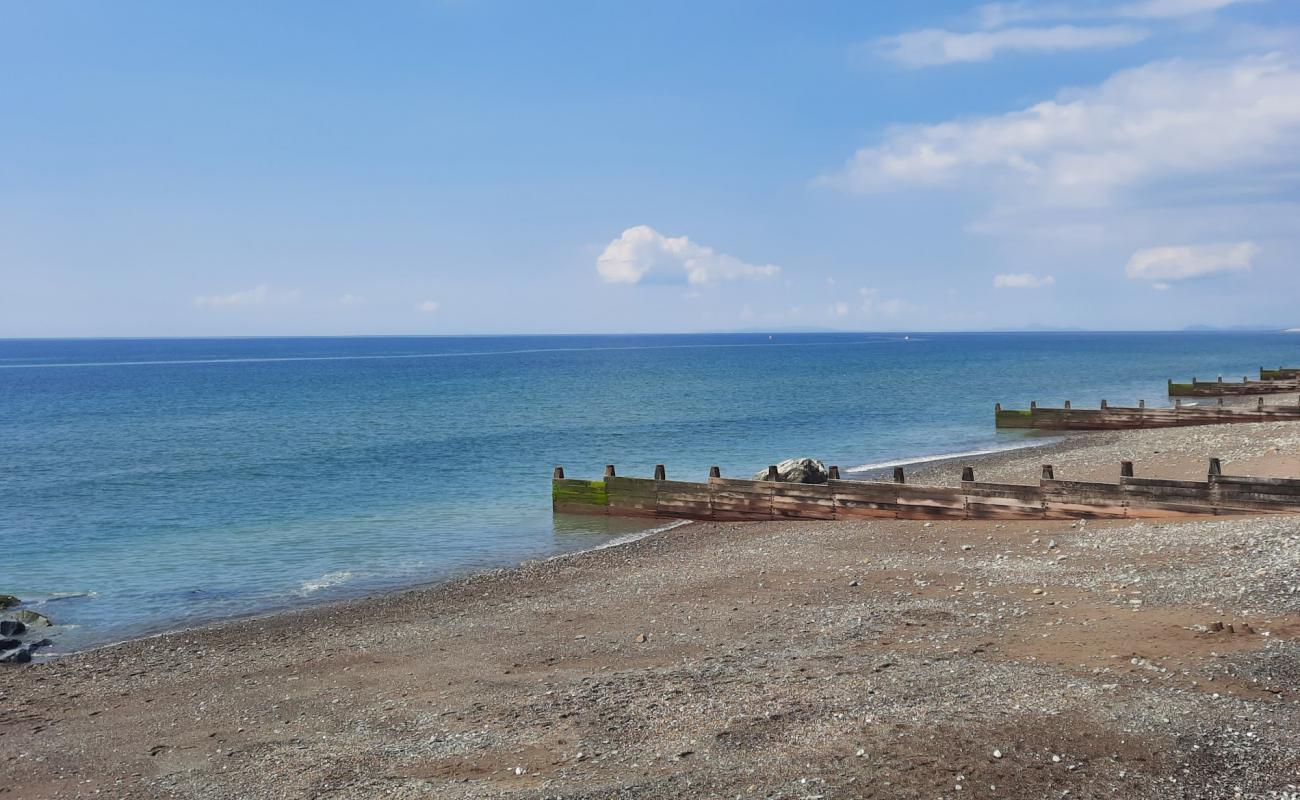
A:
[(474, 166)]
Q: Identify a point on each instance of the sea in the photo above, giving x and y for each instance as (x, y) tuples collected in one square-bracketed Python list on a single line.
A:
[(148, 485)]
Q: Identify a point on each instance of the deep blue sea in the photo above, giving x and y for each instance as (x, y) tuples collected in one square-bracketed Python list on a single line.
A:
[(153, 484)]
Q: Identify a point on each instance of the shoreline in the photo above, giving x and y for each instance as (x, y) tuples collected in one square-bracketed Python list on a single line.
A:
[(1052, 442), (308, 605), (942, 469), (873, 658)]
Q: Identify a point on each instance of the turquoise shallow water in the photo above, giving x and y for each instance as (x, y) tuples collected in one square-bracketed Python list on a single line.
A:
[(152, 484)]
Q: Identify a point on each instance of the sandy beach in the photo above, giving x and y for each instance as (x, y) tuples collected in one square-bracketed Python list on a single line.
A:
[(779, 660)]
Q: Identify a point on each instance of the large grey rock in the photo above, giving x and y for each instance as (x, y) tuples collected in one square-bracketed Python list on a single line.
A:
[(798, 470), (8, 601), (33, 619), (11, 627)]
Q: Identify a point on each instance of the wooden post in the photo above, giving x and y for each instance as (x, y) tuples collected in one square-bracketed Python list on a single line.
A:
[(660, 474), (1220, 402), (1142, 404), (1126, 469), (1220, 379), (1216, 467), (997, 408), (1261, 404), (899, 477), (1103, 405), (1049, 474), (967, 474), (1033, 404), (771, 473), (1067, 405), (715, 472), (833, 473), (609, 470), (1178, 402), (1245, 379), (558, 474)]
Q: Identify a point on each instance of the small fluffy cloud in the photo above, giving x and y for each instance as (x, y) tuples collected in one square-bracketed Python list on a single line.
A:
[(1163, 265), (428, 306), (259, 295), (933, 47), (873, 305), (1171, 119), (1022, 280), (643, 255)]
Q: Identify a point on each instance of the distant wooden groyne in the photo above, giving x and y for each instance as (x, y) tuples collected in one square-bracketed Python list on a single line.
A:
[(1279, 374), (1222, 388), (1116, 418), (730, 499)]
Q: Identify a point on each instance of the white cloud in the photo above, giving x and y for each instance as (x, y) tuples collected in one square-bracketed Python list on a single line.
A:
[(643, 255), (873, 305), (932, 47), (995, 15), (1171, 9), (1162, 120), (351, 300), (840, 309), (259, 295), (1162, 265), (428, 306), (1022, 280)]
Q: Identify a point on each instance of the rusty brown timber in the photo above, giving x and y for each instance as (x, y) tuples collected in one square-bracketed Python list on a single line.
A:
[(732, 499), (1115, 418), (1222, 388)]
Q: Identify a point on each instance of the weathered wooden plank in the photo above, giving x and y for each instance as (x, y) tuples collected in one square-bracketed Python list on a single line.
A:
[(1154, 510), (1279, 501), (739, 483), (1290, 483), (862, 509), (1000, 508), (1023, 492), (1056, 509)]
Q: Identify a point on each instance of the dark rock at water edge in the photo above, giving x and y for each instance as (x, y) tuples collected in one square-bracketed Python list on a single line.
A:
[(22, 654), (798, 470), (11, 627), (8, 601)]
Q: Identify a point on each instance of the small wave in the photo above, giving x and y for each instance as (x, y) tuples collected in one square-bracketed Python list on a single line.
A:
[(326, 581), (625, 539), (945, 456), (41, 598)]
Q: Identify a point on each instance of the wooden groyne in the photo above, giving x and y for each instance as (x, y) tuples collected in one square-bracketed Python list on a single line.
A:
[(730, 499), (1222, 388), (1279, 374), (1120, 418)]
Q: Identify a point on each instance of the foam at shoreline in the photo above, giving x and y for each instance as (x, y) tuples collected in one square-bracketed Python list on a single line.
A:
[(948, 456)]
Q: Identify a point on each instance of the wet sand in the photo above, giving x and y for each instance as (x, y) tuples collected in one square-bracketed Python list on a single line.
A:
[(781, 659)]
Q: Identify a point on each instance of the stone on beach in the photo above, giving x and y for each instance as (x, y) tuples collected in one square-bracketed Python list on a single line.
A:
[(8, 601), (797, 470)]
